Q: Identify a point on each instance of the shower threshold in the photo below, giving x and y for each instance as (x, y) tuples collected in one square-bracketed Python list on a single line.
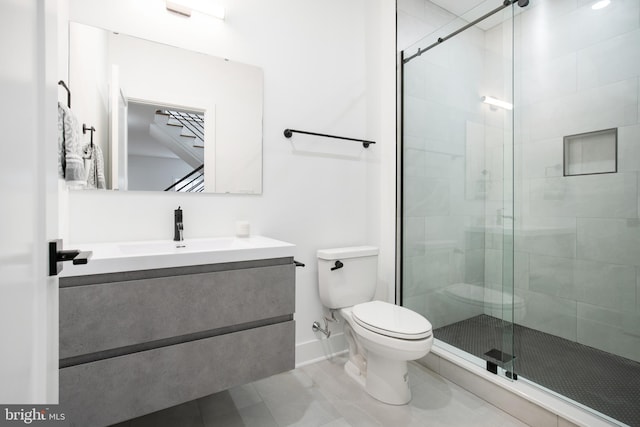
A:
[(605, 382)]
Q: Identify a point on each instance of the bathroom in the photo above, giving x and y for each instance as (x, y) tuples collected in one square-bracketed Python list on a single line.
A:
[(328, 67)]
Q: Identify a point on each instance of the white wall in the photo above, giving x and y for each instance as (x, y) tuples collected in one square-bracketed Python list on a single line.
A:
[(150, 172), (318, 193)]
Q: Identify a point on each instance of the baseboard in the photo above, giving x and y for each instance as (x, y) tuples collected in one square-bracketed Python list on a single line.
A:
[(320, 349)]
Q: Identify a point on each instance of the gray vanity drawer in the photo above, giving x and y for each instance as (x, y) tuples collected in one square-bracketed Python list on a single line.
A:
[(115, 314), (116, 389)]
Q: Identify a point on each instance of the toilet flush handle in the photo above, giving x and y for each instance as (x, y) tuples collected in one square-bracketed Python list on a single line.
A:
[(338, 265)]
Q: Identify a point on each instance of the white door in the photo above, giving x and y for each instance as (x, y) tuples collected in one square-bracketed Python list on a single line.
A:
[(28, 194)]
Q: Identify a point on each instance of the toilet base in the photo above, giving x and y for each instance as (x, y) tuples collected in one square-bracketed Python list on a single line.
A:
[(387, 380), (354, 372), (392, 387)]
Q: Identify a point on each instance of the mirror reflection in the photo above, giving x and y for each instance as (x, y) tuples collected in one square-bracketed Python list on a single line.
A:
[(167, 119), (165, 149)]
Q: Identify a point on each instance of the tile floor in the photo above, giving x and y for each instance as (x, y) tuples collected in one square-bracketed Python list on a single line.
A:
[(603, 381), (323, 395)]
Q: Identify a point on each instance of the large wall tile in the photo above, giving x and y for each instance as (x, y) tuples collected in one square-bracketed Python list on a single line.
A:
[(629, 148), (596, 283), (615, 241), (542, 158), (413, 236), (612, 195), (413, 142), (475, 238), (439, 309), (550, 30), (548, 78), (442, 309), (426, 197), (613, 59), (474, 264), (553, 276), (606, 285), (604, 107), (638, 289), (553, 315), (551, 236), (521, 270), (493, 267), (475, 172), (414, 81), (428, 272), (610, 330), (423, 164), (446, 231), (415, 111)]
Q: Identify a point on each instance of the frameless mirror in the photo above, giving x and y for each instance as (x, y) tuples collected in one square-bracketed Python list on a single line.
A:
[(166, 118)]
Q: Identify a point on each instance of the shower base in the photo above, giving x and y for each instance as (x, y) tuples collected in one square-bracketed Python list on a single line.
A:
[(605, 382)]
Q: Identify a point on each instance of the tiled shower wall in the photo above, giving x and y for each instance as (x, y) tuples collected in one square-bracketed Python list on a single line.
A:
[(577, 260)]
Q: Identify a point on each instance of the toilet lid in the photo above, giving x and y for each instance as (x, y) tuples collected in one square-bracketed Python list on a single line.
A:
[(391, 320)]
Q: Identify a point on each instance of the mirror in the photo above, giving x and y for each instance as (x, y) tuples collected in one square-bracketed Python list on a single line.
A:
[(166, 118)]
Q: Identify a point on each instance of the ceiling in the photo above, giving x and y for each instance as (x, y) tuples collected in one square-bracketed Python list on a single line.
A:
[(473, 9), (458, 7)]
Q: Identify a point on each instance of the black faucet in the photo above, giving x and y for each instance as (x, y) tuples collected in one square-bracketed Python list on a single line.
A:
[(177, 225)]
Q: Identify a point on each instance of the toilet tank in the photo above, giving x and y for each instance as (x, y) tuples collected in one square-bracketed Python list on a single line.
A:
[(351, 284)]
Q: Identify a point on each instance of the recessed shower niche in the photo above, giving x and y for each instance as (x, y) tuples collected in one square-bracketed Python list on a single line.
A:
[(591, 153)]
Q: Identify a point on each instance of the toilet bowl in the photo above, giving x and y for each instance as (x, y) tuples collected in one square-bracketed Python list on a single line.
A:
[(385, 375), (381, 336)]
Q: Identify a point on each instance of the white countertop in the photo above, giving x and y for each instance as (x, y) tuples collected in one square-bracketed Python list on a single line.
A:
[(144, 255)]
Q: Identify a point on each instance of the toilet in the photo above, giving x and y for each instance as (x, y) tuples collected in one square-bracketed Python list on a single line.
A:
[(381, 336)]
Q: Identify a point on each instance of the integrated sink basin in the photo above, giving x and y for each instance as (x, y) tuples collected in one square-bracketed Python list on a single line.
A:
[(152, 254), (158, 247)]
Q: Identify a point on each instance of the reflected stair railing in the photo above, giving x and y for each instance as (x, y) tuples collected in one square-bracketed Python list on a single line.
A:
[(193, 182)]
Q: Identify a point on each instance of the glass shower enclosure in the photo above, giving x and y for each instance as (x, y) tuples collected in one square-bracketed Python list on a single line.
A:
[(520, 160)]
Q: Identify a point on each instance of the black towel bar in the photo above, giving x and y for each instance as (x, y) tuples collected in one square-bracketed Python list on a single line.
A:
[(64, 85), (289, 132)]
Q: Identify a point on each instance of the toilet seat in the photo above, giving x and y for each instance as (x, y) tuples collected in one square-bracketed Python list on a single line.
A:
[(391, 320)]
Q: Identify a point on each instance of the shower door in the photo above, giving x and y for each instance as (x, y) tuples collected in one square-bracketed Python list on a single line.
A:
[(520, 192), (457, 184), (577, 164)]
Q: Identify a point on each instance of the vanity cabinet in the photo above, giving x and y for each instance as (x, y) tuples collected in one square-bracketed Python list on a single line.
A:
[(135, 342)]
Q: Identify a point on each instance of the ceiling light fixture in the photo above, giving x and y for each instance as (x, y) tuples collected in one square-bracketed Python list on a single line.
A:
[(186, 7), (496, 102), (600, 4)]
